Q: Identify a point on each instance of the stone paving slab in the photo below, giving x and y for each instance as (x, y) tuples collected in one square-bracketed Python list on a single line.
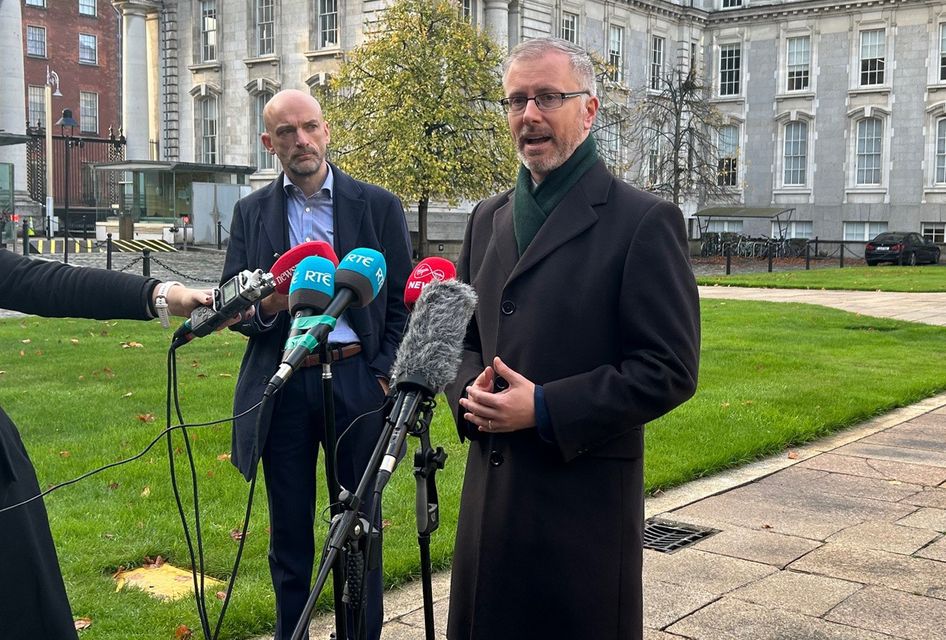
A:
[(926, 518), (929, 497), (935, 551), (885, 536), (732, 619), (842, 484), (872, 468), (802, 593), (704, 571), (926, 436), (665, 603), (902, 615), (894, 454), (764, 546), (868, 566)]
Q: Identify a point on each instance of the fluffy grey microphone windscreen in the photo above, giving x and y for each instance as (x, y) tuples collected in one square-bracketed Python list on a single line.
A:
[(433, 342)]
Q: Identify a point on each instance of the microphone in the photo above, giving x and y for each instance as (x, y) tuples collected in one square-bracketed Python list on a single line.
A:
[(244, 289), (310, 291), (285, 265), (427, 358), (358, 280), (426, 271)]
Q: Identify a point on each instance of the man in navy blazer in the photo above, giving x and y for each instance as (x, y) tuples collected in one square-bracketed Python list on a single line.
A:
[(313, 200)]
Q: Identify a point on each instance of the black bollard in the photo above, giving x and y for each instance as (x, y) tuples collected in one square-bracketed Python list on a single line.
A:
[(219, 238), (26, 237), (842, 256), (807, 256), (108, 251), (770, 257), (728, 251), (146, 263)]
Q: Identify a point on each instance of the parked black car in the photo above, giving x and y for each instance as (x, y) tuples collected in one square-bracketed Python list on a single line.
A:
[(900, 247)]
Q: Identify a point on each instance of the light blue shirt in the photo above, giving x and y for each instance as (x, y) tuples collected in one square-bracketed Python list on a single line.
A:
[(312, 219)]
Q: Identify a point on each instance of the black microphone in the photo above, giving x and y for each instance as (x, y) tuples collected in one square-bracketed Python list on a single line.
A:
[(427, 358), (358, 280)]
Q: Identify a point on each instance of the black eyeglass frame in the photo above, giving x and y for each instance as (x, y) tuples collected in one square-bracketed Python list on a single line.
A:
[(508, 107)]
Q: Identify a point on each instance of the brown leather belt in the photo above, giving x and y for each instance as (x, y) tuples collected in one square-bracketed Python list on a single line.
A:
[(335, 354)]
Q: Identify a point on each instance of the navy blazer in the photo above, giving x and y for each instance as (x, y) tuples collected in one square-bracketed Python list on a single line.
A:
[(364, 216)]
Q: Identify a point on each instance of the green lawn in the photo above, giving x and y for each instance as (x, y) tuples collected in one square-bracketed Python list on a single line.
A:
[(771, 375), (926, 278)]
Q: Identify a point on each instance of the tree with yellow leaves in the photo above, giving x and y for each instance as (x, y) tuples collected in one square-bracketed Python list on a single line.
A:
[(415, 109)]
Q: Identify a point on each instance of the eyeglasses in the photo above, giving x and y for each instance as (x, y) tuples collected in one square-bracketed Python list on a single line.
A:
[(544, 101)]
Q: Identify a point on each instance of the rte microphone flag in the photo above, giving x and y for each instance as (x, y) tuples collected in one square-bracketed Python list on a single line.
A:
[(310, 292), (358, 279)]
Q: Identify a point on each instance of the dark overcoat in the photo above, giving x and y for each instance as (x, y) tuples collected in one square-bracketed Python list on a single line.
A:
[(602, 311)]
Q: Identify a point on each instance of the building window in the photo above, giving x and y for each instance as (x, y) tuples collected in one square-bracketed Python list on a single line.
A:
[(873, 55), (869, 147), (207, 129), (616, 53), (863, 231), (328, 24), (88, 112), (264, 27), (730, 65), (653, 163), (466, 11), (264, 159), (724, 226), (731, 4), (728, 150), (88, 49), (934, 231), (570, 27), (36, 41), (793, 229), (208, 30), (796, 154), (799, 63), (87, 7), (942, 51), (35, 3), (36, 101), (657, 62), (940, 162)]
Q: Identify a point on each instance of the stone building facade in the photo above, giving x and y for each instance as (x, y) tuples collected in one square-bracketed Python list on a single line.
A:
[(834, 109)]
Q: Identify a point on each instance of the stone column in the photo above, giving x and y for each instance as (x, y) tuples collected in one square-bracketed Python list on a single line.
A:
[(497, 21), (13, 106), (136, 102)]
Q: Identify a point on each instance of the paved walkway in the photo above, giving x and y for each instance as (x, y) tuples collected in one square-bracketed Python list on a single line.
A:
[(842, 538)]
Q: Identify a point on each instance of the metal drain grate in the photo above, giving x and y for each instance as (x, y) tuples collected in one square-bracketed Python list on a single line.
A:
[(667, 537)]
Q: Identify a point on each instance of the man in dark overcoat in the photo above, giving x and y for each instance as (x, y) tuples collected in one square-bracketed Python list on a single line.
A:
[(587, 328), (312, 200)]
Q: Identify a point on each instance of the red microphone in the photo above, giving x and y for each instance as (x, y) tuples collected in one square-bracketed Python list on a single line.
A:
[(285, 265), (426, 271)]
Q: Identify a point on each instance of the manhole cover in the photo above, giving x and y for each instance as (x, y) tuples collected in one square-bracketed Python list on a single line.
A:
[(666, 536)]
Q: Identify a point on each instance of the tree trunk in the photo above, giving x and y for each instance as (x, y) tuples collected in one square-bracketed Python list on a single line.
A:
[(420, 252)]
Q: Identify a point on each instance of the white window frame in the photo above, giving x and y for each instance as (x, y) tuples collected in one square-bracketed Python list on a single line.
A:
[(35, 36), (36, 3), (716, 225), (88, 112), (939, 151), (935, 231), (84, 46), (798, 61), (265, 14), (616, 53), (468, 11), (36, 105), (872, 46), (569, 26), (794, 150), (207, 128), (730, 163), (869, 145), (658, 48), (88, 8), (941, 58), (328, 24), (730, 75), (793, 229), (265, 161), (732, 4), (208, 25), (862, 230)]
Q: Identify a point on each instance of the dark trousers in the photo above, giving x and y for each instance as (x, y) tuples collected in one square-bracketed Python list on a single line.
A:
[(289, 460), (33, 601)]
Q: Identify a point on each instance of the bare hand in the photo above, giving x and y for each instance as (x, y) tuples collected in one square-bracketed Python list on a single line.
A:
[(273, 304), (183, 300), (511, 409)]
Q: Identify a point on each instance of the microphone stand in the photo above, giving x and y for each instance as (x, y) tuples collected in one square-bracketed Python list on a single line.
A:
[(331, 440), (411, 413), (427, 462)]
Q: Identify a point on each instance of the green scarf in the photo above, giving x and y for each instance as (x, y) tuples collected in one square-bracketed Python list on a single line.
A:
[(530, 209)]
